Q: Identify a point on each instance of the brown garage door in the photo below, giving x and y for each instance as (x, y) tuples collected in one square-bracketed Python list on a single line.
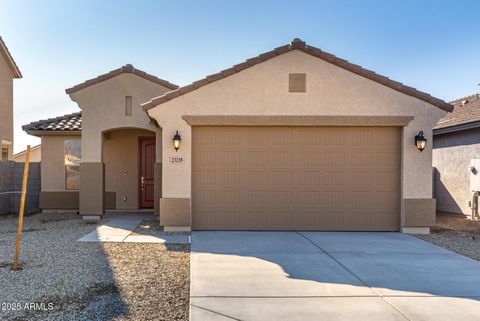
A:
[(296, 178)]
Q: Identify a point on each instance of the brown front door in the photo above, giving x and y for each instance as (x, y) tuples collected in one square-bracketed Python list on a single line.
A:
[(146, 176)]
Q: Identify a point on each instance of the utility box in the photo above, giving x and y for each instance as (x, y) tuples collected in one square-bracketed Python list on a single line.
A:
[(474, 170)]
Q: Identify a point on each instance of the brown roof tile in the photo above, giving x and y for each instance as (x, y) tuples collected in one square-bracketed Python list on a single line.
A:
[(66, 123), (8, 56), (298, 44), (124, 69), (466, 110)]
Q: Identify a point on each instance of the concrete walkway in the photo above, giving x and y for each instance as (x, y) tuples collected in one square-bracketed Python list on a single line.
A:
[(120, 226), (265, 276)]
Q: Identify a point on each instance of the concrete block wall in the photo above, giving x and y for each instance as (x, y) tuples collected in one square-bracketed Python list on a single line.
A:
[(11, 178)]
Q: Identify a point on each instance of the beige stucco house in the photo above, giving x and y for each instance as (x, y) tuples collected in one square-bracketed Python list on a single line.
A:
[(8, 72), (293, 139)]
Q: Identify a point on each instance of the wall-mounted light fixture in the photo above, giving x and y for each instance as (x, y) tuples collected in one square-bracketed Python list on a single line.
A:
[(176, 141), (420, 141)]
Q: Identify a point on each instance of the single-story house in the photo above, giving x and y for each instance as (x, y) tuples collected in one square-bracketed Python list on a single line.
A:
[(456, 142), (293, 139), (35, 155)]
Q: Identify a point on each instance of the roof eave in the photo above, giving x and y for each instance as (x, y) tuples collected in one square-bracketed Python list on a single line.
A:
[(40, 133), (456, 128)]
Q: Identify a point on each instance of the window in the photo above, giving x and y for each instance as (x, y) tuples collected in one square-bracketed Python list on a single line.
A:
[(4, 153), (128, 105), (73, 151)]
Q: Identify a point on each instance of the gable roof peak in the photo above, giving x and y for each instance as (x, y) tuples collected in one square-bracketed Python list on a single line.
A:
[(128, 68), (298, 44)]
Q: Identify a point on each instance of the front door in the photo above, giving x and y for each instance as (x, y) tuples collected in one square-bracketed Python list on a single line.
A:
[(146, 169)]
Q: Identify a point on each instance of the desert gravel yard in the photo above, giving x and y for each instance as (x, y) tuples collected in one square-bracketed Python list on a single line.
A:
[(89, 281), (456, 233)]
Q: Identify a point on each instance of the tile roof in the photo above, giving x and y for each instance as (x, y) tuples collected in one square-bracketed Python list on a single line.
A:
[(298, 44), (466, 110), (124, 69), (8, 56), (67, 123)]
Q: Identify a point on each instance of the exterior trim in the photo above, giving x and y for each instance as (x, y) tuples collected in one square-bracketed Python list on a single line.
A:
[(456, 128), (399, 121), (298, 44), (40, 133), (124, 69)]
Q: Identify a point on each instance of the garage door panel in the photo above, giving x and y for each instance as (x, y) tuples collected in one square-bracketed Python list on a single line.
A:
[(385, 179), (361, 178), (332, 178), (229, 178), (308, 178), (305, 178)]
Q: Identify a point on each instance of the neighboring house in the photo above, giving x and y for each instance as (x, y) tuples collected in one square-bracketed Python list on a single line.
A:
[(8, 72), (293, 139), (35, 155), (456, 142)]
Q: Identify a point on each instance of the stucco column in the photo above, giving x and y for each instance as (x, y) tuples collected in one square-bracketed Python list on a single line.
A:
[(175, 202), (92, 177), (418, 207), (157, 189)]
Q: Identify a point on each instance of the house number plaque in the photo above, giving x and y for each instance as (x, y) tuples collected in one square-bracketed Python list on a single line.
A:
[(176, 160)]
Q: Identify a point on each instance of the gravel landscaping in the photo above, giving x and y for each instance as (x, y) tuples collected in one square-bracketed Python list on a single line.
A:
[(456, 233), (70, 280)]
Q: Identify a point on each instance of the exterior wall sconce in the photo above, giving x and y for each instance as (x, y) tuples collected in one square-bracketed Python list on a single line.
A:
[(420, 141), (176, 141)]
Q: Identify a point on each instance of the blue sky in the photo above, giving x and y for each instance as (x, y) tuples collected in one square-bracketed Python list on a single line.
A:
[(431, 45)]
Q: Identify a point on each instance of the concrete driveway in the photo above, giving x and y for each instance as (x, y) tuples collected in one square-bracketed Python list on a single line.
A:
[(329, 276)]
